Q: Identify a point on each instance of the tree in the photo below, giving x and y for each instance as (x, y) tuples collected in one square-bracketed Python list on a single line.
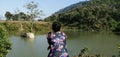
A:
[(5, 45), (8, 15), (34, 12), (22, 16), (15, 17)]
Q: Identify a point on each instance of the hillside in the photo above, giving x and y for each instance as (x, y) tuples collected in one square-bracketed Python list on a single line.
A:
[(71, 7), (93, 15)]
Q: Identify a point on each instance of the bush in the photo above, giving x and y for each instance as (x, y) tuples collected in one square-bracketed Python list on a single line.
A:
[(117, 28), (11, 26), (5, 45)]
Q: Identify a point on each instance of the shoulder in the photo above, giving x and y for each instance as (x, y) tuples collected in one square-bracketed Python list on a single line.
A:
[(63, 33)]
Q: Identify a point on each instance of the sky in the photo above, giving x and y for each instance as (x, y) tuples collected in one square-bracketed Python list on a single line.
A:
[(47, 6)]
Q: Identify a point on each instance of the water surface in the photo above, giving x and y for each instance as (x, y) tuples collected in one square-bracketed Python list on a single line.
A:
[(104, 43)]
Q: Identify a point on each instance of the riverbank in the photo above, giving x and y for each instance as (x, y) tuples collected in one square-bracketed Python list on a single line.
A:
[(38, 27), (25, 26)]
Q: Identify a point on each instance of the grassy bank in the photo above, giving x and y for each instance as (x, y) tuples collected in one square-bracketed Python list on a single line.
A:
[(25, 26)]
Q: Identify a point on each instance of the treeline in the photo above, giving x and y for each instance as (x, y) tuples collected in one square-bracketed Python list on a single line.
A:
[(93, 15), (17, 16), (32, 13)]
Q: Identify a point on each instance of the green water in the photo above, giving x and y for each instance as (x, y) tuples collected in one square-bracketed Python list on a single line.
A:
[(104, 43)]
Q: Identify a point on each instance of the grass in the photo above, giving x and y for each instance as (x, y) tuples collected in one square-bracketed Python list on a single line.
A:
[(25, 26)]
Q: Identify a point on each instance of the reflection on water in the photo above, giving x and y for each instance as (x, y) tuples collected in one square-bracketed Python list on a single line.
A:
[(29, 40), (24, 47), (98, 43), (105, 43)]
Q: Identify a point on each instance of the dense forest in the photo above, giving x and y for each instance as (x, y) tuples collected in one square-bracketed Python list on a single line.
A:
[(92, 15)]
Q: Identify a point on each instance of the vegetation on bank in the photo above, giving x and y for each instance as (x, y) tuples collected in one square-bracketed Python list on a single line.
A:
[(25, 26), (5, 45), (85, 53), (25, 22), (92, 15)]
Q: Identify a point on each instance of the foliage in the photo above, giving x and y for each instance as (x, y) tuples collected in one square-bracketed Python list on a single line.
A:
[(117, 28), (13, 26), (21, 16), (92, 15), (41, 27), (83, 52), (8, 15), (34, 12), (5, 45)]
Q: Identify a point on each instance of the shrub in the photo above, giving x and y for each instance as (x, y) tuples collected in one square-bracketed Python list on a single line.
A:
[(11, 26), (5, 45)]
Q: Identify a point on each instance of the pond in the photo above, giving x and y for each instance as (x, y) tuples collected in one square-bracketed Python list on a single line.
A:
[(98, 43)]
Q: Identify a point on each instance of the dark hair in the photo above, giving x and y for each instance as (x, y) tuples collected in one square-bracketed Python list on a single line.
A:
[(56, 26)]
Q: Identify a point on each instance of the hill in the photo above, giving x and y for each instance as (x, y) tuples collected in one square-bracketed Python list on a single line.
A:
[(71, 7), (93, 15)]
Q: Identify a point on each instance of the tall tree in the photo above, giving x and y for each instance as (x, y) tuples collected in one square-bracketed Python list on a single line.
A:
[(8, 15), (33, 10)]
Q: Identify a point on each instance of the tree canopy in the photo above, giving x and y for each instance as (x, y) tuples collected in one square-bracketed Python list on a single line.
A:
[(17, 16), (33, 10)]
